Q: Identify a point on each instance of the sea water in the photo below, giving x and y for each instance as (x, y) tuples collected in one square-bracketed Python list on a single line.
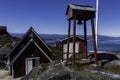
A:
[(106, 45)]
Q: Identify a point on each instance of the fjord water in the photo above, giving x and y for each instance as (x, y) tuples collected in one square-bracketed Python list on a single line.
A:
[(105, 43)]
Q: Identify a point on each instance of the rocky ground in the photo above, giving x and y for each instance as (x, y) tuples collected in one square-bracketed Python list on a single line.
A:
[(108, 69), (7, 42), (83, 70), (63, 71), (52, 71)]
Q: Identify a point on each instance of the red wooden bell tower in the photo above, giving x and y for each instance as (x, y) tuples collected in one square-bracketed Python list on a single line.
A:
[(80, 13)]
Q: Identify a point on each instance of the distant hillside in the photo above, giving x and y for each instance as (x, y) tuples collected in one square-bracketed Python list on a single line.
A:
[(44, 36), (7, 42)]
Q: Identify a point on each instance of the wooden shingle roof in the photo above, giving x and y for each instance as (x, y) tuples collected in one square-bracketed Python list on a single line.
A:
[(71, 38), (82, 11)]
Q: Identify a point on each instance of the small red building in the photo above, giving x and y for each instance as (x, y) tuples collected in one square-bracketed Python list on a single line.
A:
[(29, 52), (80, 46)]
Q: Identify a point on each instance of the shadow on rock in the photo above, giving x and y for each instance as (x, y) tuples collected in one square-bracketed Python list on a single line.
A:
[(105, 57)]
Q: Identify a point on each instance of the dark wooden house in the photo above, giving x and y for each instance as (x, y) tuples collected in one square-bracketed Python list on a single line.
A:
[(29, 52), (80, 46)]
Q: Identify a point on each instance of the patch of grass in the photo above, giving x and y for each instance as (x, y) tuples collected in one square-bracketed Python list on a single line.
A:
[(50, 39), (83, 69), (6, 40), (57, 53), (115, 69), (79, 66)]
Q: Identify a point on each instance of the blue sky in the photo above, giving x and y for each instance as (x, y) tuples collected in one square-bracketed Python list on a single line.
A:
[(48, 16)]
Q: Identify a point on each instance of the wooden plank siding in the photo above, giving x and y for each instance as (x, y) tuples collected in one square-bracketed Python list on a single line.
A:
[(80, 46)]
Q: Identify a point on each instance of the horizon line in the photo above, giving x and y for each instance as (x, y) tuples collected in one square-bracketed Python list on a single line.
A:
[(66, 34)]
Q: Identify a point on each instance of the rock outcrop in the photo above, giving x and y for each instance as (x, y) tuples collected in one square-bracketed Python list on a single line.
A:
[(57, 71), (7, 42), (52, 71)]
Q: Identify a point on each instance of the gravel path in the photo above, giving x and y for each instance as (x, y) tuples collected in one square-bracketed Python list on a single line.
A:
[(4, 75)]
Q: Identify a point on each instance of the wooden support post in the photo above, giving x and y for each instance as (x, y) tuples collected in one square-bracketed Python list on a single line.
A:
[(85, 37), (68, 40), (74, 38), (94, 42)]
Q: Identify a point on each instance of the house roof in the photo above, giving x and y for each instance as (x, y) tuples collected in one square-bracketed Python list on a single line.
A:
[(30, 33), (71, 37)]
